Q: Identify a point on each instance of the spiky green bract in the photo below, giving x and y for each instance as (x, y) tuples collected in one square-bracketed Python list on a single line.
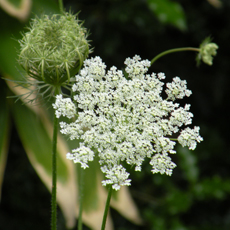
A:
[(54, 48)]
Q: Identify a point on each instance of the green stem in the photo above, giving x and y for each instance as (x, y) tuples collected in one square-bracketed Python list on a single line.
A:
[(54, 176), (173, 139), (173, 51), (81, 193), (60, 3), (106, 207)]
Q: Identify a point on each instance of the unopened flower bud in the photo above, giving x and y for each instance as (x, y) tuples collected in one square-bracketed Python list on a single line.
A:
[(54, 48), (207, 51)]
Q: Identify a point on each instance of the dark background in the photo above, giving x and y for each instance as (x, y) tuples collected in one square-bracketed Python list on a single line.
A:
[(196, 196)]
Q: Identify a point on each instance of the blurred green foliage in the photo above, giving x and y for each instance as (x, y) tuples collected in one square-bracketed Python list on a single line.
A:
[(196, 196), (168, 12)]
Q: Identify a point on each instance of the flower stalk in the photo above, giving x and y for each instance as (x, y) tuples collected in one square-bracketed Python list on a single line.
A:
[(81, 196), (60, 3), (54, 176), (106, 207), (174, 51), (206, 51)]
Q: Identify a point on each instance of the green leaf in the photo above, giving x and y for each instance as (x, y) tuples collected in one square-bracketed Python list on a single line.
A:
[(4, 133), (125, 205), (36, 137), (19, 9), (168, 12)]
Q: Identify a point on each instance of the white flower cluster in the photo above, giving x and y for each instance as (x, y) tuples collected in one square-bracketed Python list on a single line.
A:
[(126, 119), (64, 107)]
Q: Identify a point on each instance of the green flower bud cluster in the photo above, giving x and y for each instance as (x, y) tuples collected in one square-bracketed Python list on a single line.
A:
[(207, 51), (54, 48)]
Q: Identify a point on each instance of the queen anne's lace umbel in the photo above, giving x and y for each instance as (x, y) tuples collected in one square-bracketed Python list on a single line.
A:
[(126, 119)]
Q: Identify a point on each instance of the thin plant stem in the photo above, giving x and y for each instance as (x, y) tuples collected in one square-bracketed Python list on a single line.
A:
[(54, 176), (81, 194), (60, 3), (173, 51), (106, 207)]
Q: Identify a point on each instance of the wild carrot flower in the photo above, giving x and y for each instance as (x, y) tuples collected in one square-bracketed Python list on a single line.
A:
[(126, 119)]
